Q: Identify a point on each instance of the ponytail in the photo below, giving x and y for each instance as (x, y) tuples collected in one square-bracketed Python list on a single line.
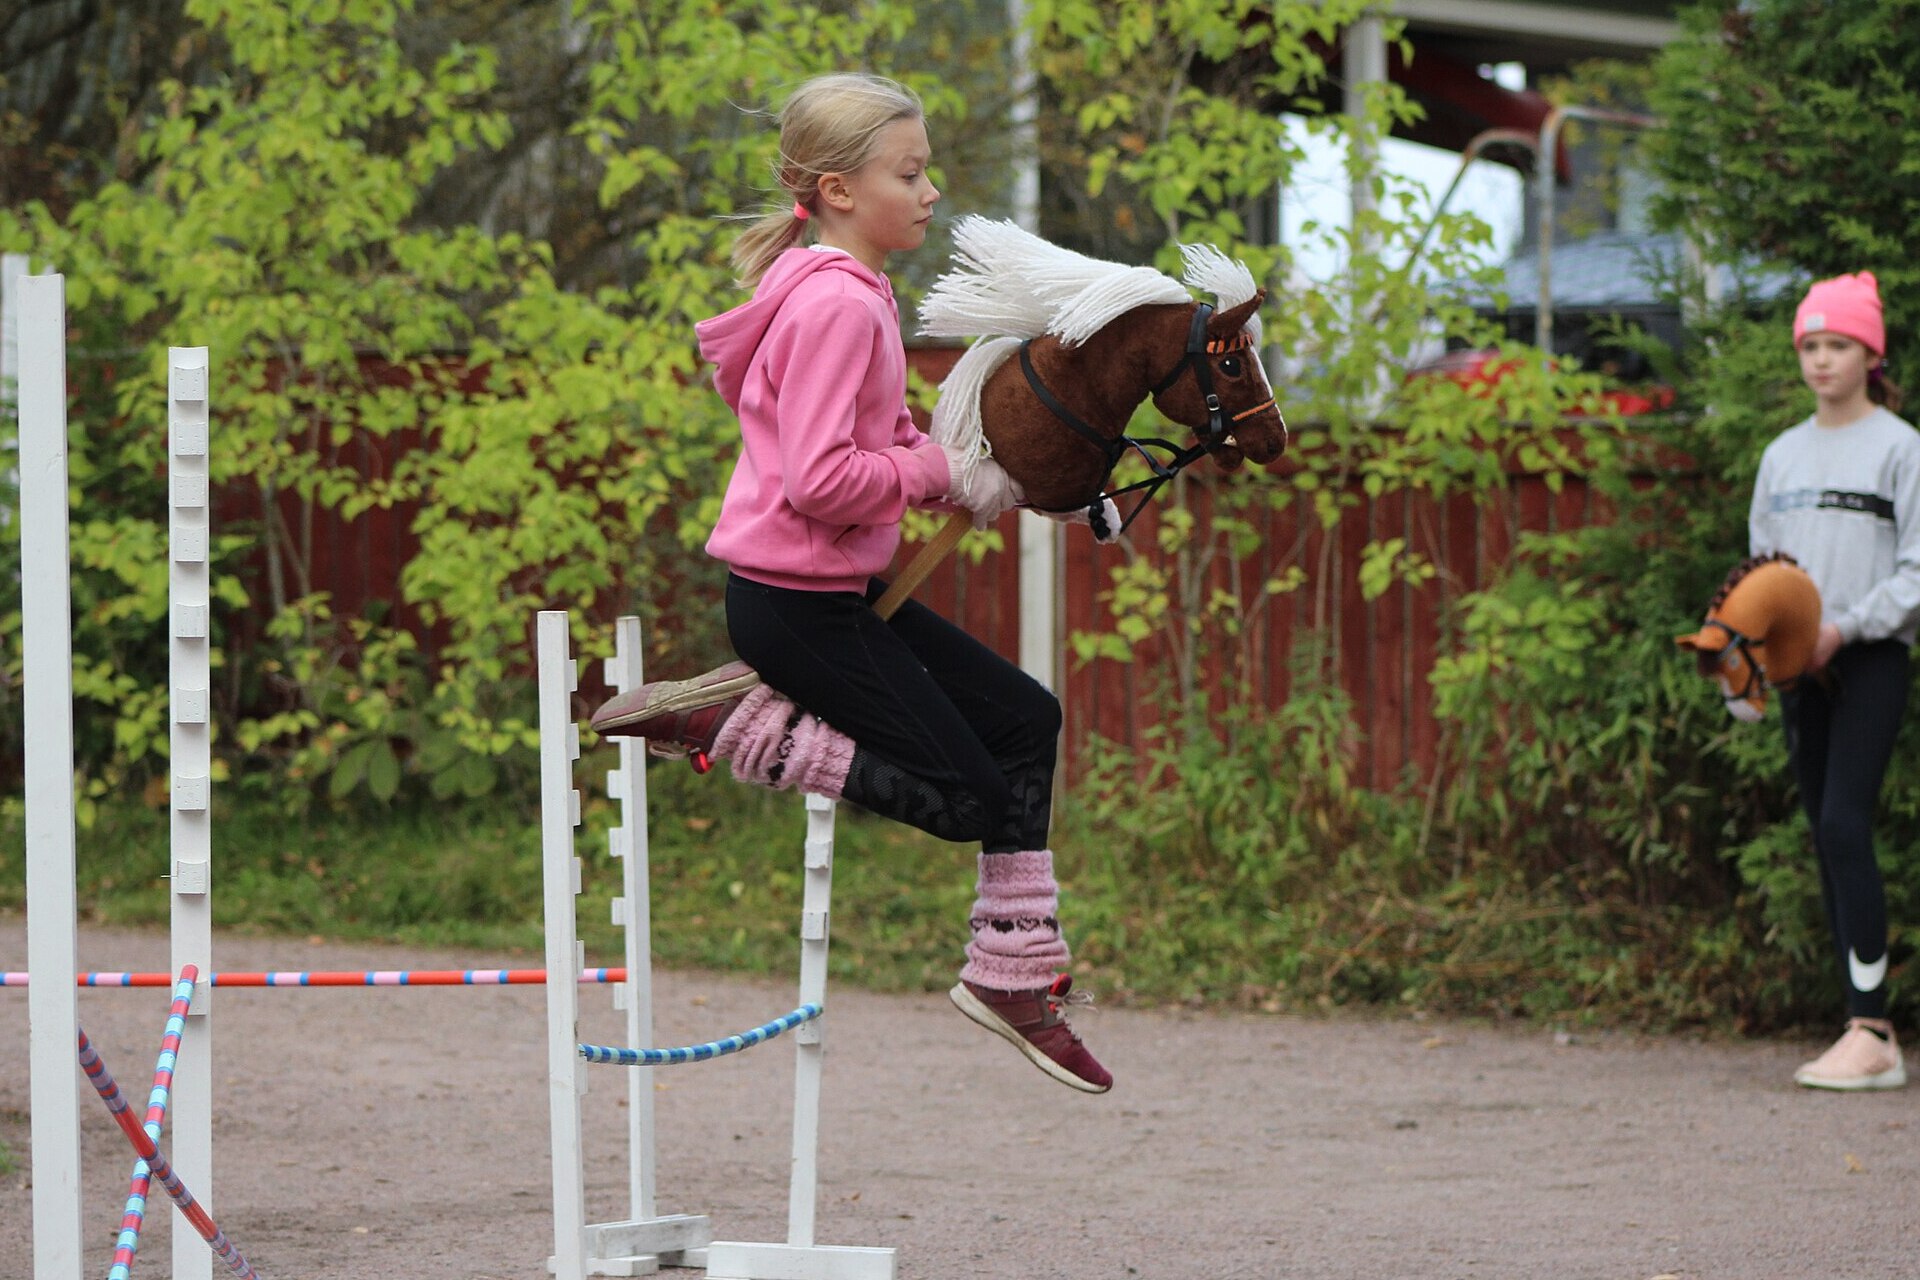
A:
[(1884, 391), (771, 235)]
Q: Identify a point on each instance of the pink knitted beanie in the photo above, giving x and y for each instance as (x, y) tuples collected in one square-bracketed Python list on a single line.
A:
[(1846, 305)]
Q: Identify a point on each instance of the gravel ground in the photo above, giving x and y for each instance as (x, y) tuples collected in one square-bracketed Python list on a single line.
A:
[(403, 1133)]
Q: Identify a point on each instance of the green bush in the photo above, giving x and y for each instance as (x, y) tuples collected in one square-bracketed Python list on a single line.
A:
[(1600, 843)]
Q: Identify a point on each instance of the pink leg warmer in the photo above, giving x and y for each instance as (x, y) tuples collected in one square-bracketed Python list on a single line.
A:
[(773, 743), (1016, 943)]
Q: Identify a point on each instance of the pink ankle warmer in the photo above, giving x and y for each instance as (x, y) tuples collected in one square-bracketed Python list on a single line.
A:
[(1016, 943), (818, 758), (771, 742), (761, 714)]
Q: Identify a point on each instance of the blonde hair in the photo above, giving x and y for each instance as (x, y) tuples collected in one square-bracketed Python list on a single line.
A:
[(830, 124)]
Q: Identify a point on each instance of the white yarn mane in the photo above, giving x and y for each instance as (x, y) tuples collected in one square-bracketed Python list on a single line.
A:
[(1007, 285)]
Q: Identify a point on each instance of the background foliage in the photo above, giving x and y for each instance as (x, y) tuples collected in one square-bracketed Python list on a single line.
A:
[(1588, 755), (449, 261), (1798, 129)]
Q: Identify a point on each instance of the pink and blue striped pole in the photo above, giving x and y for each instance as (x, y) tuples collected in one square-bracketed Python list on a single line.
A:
[(135, 1216), (103, 1084), (343, 978)]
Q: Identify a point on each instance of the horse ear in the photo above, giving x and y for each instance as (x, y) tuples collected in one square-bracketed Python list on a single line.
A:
[(1224, 324)]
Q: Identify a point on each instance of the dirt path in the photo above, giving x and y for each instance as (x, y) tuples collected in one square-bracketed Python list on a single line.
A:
[(390, 1133)]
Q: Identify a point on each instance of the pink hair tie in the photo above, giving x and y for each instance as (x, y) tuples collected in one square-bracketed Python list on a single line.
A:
[(800, 211)]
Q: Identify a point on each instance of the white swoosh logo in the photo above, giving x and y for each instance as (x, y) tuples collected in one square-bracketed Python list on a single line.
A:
[(1866, 977)]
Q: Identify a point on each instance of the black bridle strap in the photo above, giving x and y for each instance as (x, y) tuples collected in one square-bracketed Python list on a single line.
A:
[(1196, 346), (1115, 449), (1215, 432), (1742, 644), (1162, 472), (1112, 450)]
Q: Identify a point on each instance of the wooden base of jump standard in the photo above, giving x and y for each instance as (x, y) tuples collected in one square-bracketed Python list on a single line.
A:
[(733, 1260)]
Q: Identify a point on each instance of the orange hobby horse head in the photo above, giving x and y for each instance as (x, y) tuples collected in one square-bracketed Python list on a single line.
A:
[(1759, 633)]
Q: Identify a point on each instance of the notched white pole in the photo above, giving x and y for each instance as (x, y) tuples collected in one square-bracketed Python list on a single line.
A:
[(189, 594), (560, 878)]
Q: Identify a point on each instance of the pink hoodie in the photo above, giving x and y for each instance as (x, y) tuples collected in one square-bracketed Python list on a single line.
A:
[(830, 459)]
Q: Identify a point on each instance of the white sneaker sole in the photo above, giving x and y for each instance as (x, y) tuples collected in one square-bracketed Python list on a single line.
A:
[(1894, 1078), (971, 1005), (666, 699)]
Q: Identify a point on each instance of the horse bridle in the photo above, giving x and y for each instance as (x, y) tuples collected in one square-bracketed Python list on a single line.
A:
[(1742, 644), (1211, 437)]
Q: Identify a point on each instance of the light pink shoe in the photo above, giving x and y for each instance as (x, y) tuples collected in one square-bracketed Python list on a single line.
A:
[(1862, 1058)]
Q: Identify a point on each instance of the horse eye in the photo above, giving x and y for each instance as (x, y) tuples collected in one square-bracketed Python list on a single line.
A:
[(1230, 365)]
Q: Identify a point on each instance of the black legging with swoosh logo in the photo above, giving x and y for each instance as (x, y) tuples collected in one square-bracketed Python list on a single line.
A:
[(1841, 728)]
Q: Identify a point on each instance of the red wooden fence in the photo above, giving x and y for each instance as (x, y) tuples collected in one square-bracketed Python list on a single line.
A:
[(1380, 650)]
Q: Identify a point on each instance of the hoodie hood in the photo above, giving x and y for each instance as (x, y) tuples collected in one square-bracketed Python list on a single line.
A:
[(728, 340)]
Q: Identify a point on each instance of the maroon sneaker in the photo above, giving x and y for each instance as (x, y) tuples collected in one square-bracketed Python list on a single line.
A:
[(678, 717), (1035, 1023)]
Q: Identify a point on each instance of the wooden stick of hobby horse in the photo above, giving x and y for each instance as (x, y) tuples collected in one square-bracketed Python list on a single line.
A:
[(931, 553)]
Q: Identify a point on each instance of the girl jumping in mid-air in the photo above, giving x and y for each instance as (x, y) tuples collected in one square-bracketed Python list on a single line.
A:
[(909, 717), (1840, 492)]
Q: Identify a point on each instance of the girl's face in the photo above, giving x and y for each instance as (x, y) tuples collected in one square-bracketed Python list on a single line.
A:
[(1835, 367), (886, 204)]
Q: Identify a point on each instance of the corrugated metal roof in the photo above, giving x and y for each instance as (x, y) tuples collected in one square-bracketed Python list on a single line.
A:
[(1615, 271)]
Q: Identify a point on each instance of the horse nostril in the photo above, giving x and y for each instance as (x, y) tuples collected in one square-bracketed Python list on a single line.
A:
[(1265, 448)]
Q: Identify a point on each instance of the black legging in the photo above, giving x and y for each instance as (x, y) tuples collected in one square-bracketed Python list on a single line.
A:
[(1840, 733), (949, 737)]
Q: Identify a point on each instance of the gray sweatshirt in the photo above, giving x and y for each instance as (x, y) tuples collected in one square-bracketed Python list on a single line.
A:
[(1845, 503)]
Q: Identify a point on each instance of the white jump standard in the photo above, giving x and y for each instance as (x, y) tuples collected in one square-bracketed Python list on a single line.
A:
[(649, 1240), (638, 1246)]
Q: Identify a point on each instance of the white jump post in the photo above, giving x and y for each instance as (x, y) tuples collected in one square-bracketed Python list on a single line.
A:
[(33, 337), (800, 1258), (649, 1241), (13, 268), (189, 677), (560, 876), (53, 1010), (646, 1241)]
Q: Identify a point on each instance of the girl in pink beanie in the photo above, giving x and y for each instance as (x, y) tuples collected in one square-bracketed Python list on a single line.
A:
[(1840, 493)]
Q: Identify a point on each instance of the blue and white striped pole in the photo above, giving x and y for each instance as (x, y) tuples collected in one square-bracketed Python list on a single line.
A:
[(701, 1052)]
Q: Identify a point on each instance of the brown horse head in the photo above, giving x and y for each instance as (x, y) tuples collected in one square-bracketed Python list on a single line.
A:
[(1760, 632), (1151, 351), (1071, 346), (1246, 419)]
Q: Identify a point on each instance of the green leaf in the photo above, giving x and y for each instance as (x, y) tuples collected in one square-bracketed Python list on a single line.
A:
[(350, 770), (383, 771)]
